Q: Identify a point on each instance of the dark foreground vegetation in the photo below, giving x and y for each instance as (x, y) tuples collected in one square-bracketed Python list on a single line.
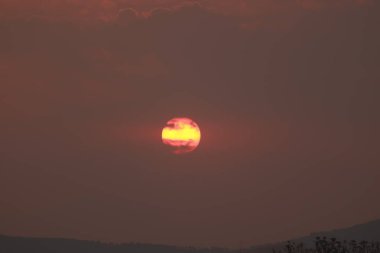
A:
[(332, 245)]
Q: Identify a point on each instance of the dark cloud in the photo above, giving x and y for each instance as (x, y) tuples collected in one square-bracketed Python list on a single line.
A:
[(258, 11)]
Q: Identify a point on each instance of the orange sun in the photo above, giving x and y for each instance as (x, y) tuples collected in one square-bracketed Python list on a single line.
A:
[(181, 134)]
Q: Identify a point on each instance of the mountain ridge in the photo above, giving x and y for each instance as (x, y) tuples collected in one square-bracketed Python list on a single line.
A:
[(369, 231)]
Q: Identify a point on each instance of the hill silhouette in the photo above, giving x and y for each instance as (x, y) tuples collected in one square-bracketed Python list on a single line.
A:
[(10, 244), (369, 231)]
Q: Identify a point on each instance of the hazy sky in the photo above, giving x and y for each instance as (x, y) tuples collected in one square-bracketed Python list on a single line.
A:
[(286, 93)]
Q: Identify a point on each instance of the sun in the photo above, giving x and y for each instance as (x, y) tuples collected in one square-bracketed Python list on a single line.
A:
[(182, 135)]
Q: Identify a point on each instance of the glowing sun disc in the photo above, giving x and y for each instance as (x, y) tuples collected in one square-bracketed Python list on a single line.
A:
[(182, 135)]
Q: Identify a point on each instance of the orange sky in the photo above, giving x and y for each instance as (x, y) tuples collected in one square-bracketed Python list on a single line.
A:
[(285, 93)]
